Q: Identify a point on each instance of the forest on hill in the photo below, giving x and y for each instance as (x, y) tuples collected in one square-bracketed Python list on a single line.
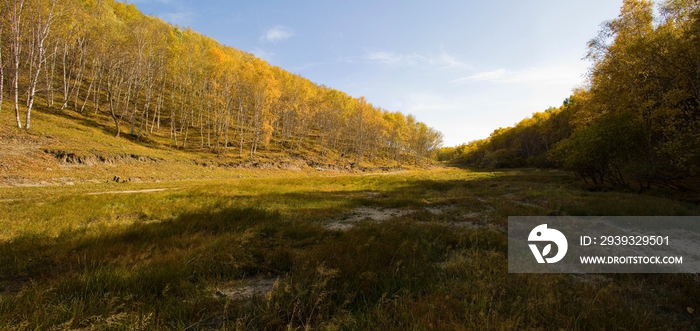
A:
[(140, 76), (635, 122)]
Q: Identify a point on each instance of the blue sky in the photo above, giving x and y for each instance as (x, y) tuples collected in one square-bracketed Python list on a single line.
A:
[(462, 67)]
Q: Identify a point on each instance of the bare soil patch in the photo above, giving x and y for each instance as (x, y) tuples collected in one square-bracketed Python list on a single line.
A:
[(348, 220), (133, 191), (247, 290)]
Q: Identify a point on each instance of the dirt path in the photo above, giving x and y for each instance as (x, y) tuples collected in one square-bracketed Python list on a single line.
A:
[(133, 191)]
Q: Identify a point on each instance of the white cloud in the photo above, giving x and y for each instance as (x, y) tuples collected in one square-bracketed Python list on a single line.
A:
[(481, 76), (449, 61), (384, 57), (554, 74), (345, 59), (442, 60), (276, 34), (569, 75), (305, 66), (393, 59)]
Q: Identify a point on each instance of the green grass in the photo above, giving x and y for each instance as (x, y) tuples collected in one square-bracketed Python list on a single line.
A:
[(71, 260)]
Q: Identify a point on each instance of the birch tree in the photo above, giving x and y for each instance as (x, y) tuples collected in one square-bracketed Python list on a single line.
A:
[(13, 15), (44, 17)]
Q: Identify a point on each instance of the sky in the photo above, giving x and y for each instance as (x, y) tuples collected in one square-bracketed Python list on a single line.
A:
[(462, 67)]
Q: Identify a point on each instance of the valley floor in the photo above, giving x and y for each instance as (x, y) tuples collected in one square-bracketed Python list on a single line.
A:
[(327, 250)]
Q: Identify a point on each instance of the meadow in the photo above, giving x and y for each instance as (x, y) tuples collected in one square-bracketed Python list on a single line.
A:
[(318, 250)]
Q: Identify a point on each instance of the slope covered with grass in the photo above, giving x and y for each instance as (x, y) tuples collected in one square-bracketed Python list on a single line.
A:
[(65, 147)]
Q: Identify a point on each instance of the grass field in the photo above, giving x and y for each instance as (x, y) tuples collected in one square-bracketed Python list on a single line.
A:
[(413, 250)]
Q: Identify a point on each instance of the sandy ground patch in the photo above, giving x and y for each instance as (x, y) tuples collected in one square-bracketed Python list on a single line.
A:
[(348, 220), (439, 210), (470, 220), (248, 290), (133, 191)]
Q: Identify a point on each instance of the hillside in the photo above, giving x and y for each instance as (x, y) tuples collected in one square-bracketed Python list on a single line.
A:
[(88, 83), (66, 148)]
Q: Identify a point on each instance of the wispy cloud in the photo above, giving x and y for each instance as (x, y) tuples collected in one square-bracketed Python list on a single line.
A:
[(393, 59), (384, 57), (481, 76), (305, 66), (570, 75), (449, 61), (442, 60), (276, 34), (390, 58)]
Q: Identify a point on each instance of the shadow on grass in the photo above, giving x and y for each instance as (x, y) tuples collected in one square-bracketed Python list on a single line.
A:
[(99, 122), (164, 265)]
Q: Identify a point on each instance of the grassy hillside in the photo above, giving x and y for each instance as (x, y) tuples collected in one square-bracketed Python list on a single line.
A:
[(66, 147)]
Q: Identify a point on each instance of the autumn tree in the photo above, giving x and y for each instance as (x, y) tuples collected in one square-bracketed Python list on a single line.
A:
[(2, 46), (44, 16), (646, 71), (13, 16)]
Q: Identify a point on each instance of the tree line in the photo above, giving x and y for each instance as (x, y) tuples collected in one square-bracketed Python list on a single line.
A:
[(635, 123), (105, 58)]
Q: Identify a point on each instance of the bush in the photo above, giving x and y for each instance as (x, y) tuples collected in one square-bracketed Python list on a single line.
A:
[(610, 150)]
